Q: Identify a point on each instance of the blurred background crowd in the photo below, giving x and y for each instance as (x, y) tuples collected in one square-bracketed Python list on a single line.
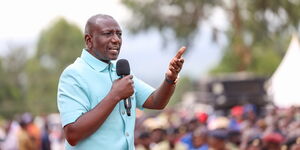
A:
[(28, 132), (240, 128), (244, 127)]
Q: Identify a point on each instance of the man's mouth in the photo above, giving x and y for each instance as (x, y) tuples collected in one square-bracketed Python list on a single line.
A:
[(114, 50)]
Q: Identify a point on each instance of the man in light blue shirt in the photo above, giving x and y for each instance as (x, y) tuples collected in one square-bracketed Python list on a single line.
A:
[(90, 93)]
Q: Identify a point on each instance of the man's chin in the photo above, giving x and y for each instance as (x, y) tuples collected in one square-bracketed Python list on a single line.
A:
[(114, 57)]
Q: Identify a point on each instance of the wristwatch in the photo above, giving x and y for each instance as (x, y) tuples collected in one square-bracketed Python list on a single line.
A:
[(171, 81)]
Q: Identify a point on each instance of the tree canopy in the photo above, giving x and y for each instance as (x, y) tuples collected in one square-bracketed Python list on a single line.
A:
[(29, 83), (57, 47), (12, 81), (256, 28)]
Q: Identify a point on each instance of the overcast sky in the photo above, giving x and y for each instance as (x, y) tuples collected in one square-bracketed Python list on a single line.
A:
[(23, 20)]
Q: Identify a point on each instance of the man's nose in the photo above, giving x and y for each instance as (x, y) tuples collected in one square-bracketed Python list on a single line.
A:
[(116, 38)]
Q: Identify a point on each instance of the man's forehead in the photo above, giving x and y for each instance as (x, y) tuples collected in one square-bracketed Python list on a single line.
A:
[(100, 19), (106, 23)]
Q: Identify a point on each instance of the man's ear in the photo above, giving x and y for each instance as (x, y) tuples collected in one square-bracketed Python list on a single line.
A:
[(88, 41)]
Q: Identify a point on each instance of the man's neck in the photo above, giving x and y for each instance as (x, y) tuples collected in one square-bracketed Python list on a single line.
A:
[(96, 55)]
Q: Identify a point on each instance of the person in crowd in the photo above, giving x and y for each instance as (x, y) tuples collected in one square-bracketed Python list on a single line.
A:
[(187, 137), (161, 141), (32, 129), (25, 141), (234, 139), (272, 141), (144, 141), (45, 139), (199, 139), (254, 144), (173, 137), (11, 139), (218, 139)]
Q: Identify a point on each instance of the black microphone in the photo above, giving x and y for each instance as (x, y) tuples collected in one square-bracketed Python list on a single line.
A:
[(123, 69)]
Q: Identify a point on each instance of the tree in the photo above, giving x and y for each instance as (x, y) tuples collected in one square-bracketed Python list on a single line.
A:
[(254, 26), (2, 93), (182, 18), (57, 47), (12, 81)]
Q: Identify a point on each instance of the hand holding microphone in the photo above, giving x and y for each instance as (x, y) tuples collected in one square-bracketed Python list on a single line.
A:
[(123, 87), (125, 83)]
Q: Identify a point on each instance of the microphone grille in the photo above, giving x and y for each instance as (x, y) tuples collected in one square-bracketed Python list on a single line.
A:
[(123, 67)]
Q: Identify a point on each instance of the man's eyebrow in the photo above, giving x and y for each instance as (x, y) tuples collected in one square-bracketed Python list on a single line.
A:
[(111, 30), (118, 30)]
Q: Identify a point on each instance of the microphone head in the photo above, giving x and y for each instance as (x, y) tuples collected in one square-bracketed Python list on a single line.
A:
[(123, 68)]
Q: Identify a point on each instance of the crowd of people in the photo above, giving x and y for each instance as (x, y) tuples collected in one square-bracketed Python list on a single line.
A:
[(26, 132), (240, 128)]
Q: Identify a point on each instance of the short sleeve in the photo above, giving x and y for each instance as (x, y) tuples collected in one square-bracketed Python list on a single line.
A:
[(72, 99), (143, 91)]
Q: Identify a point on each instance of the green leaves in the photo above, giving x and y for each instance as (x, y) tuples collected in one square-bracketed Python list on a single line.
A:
[(30, 84), (180, 16), (254, 27), (58, 46)]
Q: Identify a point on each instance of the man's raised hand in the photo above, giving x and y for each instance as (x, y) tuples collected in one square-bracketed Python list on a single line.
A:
[(175, 65)]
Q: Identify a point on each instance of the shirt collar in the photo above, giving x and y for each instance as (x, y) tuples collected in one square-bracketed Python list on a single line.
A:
[(95, 63)]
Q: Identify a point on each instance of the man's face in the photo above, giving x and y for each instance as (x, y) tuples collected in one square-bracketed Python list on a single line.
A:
[(105, 39), (198, 140), (216, 143)]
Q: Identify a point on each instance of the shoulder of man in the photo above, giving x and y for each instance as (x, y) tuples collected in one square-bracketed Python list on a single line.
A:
[(78, 67)]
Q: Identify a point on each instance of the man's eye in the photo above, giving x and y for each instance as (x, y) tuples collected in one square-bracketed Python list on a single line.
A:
[(119, 34), (107, 33)]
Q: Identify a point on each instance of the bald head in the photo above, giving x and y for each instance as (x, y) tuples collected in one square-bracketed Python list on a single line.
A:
[(103, 37), (93, 21)]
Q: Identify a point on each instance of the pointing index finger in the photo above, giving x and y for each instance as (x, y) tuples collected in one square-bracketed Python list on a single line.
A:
[(180, 52)]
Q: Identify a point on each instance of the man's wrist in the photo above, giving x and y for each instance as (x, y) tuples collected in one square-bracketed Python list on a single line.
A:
[(114, 97), (170, 81)]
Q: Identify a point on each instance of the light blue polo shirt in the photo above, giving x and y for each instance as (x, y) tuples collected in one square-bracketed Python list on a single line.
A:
[(82, 86)]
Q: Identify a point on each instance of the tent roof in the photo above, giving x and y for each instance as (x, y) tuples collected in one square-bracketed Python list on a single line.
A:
[(285, 82)]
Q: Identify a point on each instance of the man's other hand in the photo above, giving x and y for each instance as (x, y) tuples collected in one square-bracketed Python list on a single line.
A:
[(175, 65)]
